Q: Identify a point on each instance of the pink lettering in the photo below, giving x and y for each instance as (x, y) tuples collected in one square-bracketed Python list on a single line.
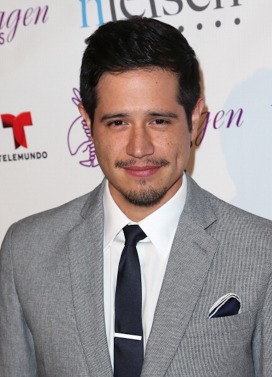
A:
[(11, 21), (220, 119)]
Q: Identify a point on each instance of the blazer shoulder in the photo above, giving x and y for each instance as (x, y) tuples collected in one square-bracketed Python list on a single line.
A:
[(240, 223), (59, 220), (221, 216), (226, 209)]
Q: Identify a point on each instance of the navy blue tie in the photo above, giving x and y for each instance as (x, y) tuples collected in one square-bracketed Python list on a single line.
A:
[(128, 338)]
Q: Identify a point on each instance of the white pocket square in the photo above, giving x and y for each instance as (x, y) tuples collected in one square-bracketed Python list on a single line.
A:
[(226, 305)]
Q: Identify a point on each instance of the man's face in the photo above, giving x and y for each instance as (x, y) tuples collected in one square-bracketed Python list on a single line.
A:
[(141, 137)]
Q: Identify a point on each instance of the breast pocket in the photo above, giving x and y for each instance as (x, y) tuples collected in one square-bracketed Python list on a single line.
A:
[(230, 324), (222, 332), (220, 346)]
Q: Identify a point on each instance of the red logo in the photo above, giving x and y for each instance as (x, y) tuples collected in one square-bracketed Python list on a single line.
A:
[(17, 123)]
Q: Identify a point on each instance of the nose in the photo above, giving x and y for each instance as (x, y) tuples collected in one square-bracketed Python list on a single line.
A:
[(140, 142)]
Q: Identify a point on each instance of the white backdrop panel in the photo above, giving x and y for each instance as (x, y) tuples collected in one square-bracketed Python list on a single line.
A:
[(41, 45)]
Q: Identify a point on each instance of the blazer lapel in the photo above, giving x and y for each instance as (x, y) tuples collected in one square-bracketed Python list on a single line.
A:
[(189, 261), (86, 268)]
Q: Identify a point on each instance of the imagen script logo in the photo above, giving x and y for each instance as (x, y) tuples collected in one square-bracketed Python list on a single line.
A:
[(11, 22), (221, 119)]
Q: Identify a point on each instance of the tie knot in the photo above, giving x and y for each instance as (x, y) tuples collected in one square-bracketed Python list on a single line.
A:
[(133, 234)]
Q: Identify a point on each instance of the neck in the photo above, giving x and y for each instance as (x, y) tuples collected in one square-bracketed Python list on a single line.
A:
[(138, 213)]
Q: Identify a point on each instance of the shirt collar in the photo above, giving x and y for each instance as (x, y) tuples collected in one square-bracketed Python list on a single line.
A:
[(160, 226), (114, 219)]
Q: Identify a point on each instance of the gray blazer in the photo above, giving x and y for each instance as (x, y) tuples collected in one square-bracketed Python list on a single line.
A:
[(51, 294)]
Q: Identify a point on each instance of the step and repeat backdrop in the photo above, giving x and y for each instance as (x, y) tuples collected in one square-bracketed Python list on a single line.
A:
[(46, 154)]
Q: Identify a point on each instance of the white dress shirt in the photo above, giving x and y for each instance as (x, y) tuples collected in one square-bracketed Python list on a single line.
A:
[(160, 227)]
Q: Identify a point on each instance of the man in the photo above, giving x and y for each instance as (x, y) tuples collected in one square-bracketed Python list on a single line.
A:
[(204, 294)]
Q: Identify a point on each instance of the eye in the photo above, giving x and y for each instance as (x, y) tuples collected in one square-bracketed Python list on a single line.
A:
[(161, 121), (116, 123)]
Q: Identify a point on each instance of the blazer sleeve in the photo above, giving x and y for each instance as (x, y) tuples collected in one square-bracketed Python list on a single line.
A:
[(17, 355), (262, 341)]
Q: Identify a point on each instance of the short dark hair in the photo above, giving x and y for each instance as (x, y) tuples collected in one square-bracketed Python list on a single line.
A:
[(139, 42)]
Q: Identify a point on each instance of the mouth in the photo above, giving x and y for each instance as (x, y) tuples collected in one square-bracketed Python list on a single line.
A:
[(142, 171), (150, 168)]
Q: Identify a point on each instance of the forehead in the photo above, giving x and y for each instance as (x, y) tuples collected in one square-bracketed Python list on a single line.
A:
[(147, 72), (137, 86)]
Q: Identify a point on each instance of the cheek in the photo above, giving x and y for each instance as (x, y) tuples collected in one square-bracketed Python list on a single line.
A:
[(108, 152), (177, 145), (102, 142), (101, 152), (181, 151)]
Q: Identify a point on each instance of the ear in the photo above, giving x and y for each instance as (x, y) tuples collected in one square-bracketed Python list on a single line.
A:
[(84, 115), (196, 115)]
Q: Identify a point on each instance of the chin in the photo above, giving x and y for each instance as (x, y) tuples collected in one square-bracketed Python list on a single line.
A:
[(145, 198)]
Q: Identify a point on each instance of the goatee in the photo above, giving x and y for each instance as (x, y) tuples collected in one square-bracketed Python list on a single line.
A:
[(145, 198)]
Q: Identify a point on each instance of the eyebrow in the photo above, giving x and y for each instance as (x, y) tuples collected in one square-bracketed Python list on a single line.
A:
[(150, 113), (113, 116), (163, 114)]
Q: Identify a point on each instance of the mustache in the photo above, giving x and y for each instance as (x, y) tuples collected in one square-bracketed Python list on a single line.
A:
[(148, 162)]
